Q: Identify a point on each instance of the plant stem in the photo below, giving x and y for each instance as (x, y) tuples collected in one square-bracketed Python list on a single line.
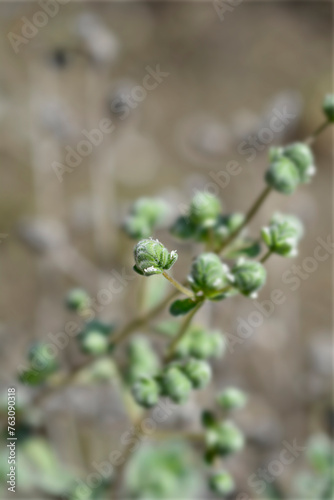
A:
[(266, 257), (310, 140), (183, 329), (142, 319), (250, 214), (116, 339), (178, 285)]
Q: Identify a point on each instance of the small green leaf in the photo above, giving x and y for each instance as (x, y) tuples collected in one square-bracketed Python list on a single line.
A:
[(180, 307), (246, 247)]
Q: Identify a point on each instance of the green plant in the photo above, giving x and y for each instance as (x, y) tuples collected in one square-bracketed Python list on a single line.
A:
[(184, 366)]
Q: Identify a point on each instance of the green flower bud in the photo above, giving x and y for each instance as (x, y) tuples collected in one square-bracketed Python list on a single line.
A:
[(94, 338), (283, 175), (94, 342), (201, 344), (222, 483), (248, 277), (301, 155), (77, 299), (41, 359), (204, 209), (208, 274), (142, 360), (176, 384), (42, 363), (328, 107), (198, 372), (224, 439), (231, 399), (145, 215), (137, 227), (283, 235), (151, 209), (151, 257), (146, 392)]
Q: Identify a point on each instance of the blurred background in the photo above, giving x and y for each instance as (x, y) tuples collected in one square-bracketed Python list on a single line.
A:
[(178, 89)]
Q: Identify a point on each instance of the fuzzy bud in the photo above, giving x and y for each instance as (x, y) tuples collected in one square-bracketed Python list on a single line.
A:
[(198, 372), (208, 274), (145, 215), (152, 257), (204, 209), (301, 156), (231, 399), (176, 384), (77, 299), (283, 234), (249, 277), (146, 392), (283, 175), (94, 338), (328, 107), (222, 483), (225, 438)]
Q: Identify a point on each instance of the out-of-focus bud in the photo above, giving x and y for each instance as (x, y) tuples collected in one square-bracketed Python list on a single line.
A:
[(42, 363), (183, 228), (145, 215), (142, 360), (328, 107), (222, 483), (146, 392), (77, 299), (225, 438), (249, 277), (283, 234), (152, 257), (94, 338), (208, 275), (176, 384), (283, 175), (137, 227), (231, 399), (301, 156), (198, 372), (204, 209)]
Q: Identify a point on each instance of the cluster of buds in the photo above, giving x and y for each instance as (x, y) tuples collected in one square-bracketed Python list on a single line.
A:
[(223, 438), (204, 221), (283, 235), (201, 344), (289, 167), (175, 381), (145, 215)]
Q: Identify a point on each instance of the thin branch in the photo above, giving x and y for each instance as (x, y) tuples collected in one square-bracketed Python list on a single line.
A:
[(178, 285), (250, 214), (183, 330)]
